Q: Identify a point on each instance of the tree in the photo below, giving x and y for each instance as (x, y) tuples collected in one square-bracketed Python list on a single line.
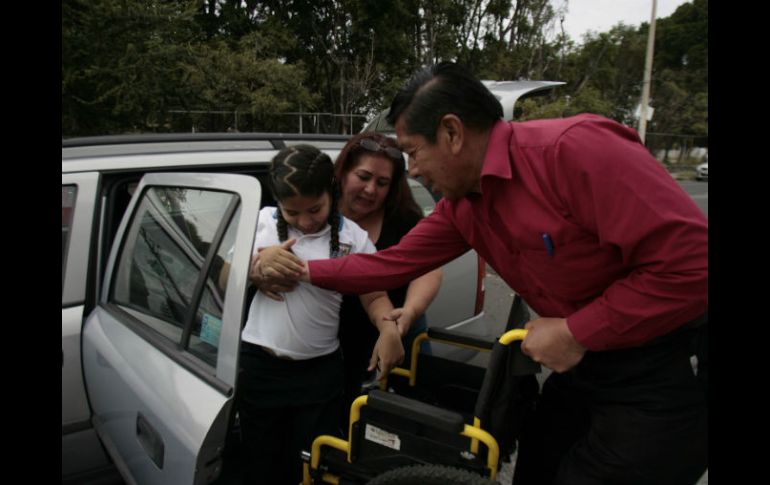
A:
[(243, 80), (680, 79), (119, 63), (126, 65)]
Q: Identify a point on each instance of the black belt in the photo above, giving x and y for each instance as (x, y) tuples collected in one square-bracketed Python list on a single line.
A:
[(701, 320), (272, 353), (266, 350)]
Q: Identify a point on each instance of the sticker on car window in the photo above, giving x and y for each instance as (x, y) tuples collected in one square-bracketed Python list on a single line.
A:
[(211, 327)]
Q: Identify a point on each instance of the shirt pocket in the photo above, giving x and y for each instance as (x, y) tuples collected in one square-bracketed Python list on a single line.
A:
[(576, 271)]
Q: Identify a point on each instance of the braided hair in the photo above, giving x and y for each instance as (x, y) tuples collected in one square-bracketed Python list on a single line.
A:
[(304, 170)]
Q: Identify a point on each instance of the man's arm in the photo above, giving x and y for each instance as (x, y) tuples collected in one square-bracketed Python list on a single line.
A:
[(433, 242), (624, 196)]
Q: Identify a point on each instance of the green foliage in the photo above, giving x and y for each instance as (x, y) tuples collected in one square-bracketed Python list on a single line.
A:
[(152, 65), (239, 79), (680, 77), (119, 63), (609, 65), (127, 65), (588, 100)]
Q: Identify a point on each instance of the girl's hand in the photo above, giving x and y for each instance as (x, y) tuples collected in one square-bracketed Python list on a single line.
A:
[(388, 350)]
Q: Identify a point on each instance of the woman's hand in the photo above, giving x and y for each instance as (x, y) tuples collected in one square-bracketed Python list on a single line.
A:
[(404, 317)]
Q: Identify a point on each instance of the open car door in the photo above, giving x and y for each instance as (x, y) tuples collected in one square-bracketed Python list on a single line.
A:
[(160, 350)]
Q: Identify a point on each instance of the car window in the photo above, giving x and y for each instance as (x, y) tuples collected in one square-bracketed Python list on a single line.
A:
[(159, 277), (207, 324), (68, 194)]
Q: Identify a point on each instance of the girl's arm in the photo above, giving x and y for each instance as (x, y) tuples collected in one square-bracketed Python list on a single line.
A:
[(388, 350)]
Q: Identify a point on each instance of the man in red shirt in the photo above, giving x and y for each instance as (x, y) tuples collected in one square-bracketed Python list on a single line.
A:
[(580, 220)]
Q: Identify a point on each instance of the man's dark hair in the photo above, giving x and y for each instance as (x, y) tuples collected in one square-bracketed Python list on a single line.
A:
[(443, 89)]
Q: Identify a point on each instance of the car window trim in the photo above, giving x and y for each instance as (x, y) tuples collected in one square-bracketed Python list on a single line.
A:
[(76, 267), (203, 277)]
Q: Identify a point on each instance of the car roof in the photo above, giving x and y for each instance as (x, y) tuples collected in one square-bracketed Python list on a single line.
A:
[(123, 152)]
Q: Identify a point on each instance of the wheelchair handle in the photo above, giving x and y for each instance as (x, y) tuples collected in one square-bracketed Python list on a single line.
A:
[(513, 335)]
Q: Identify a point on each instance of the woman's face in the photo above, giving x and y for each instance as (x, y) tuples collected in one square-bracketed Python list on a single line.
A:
[(365, 187)]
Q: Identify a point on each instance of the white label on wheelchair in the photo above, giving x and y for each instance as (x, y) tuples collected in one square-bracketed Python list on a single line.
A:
[(382, 437)]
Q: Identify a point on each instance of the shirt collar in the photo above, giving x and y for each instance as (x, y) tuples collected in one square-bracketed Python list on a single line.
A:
[(497, 159), (319, 233)]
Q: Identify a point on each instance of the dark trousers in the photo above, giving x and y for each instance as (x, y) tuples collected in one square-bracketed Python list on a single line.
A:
[(633, 416), (283, 406)]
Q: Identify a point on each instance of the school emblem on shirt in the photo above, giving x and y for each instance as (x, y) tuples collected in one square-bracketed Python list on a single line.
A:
[(344, 250)]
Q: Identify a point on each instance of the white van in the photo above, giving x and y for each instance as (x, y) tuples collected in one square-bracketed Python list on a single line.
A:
[(150, 337)]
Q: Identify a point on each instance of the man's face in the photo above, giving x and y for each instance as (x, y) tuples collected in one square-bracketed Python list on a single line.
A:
[(438, 164)]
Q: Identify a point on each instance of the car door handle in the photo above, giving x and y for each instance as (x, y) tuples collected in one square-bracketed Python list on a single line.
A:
[(150, 439)]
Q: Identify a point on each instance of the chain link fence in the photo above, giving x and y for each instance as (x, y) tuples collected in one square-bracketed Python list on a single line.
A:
[(240, 121)]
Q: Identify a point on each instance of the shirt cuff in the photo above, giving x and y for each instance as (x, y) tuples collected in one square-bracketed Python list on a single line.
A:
[(590, 327)]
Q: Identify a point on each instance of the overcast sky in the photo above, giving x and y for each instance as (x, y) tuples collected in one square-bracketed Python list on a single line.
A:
[(602, 15)]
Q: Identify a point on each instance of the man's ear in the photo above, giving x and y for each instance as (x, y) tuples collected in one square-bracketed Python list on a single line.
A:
[(452, 132)]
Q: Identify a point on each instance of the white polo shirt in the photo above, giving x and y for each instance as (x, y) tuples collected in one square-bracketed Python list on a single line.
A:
[(305, 324)]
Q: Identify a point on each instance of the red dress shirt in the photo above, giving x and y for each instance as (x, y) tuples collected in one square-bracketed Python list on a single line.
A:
[(628, 256)]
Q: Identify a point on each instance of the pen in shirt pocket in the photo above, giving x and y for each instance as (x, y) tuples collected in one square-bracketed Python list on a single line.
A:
[(548, 244)]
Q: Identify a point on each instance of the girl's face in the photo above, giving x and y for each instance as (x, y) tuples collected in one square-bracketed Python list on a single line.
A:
[(365, 187), (307, 214)]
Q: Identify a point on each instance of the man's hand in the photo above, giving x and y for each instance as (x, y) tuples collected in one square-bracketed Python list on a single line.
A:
[(268, 270), (550, 343), (279, 261)]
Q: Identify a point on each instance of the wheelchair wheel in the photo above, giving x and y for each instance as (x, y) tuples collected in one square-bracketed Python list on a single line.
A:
[(429, 475)]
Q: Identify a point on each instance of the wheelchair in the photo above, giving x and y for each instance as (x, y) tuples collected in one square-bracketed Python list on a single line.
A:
[(444, 424)]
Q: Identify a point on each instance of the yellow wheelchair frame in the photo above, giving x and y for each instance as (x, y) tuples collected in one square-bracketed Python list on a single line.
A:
[(474, 432)]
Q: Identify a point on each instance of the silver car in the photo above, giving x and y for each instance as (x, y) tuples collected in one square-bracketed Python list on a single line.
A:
[(150, 325)]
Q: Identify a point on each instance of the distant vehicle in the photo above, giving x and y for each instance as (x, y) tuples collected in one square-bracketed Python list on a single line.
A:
[(507, 92), (510, 92), (150, 326), (702, 171)]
